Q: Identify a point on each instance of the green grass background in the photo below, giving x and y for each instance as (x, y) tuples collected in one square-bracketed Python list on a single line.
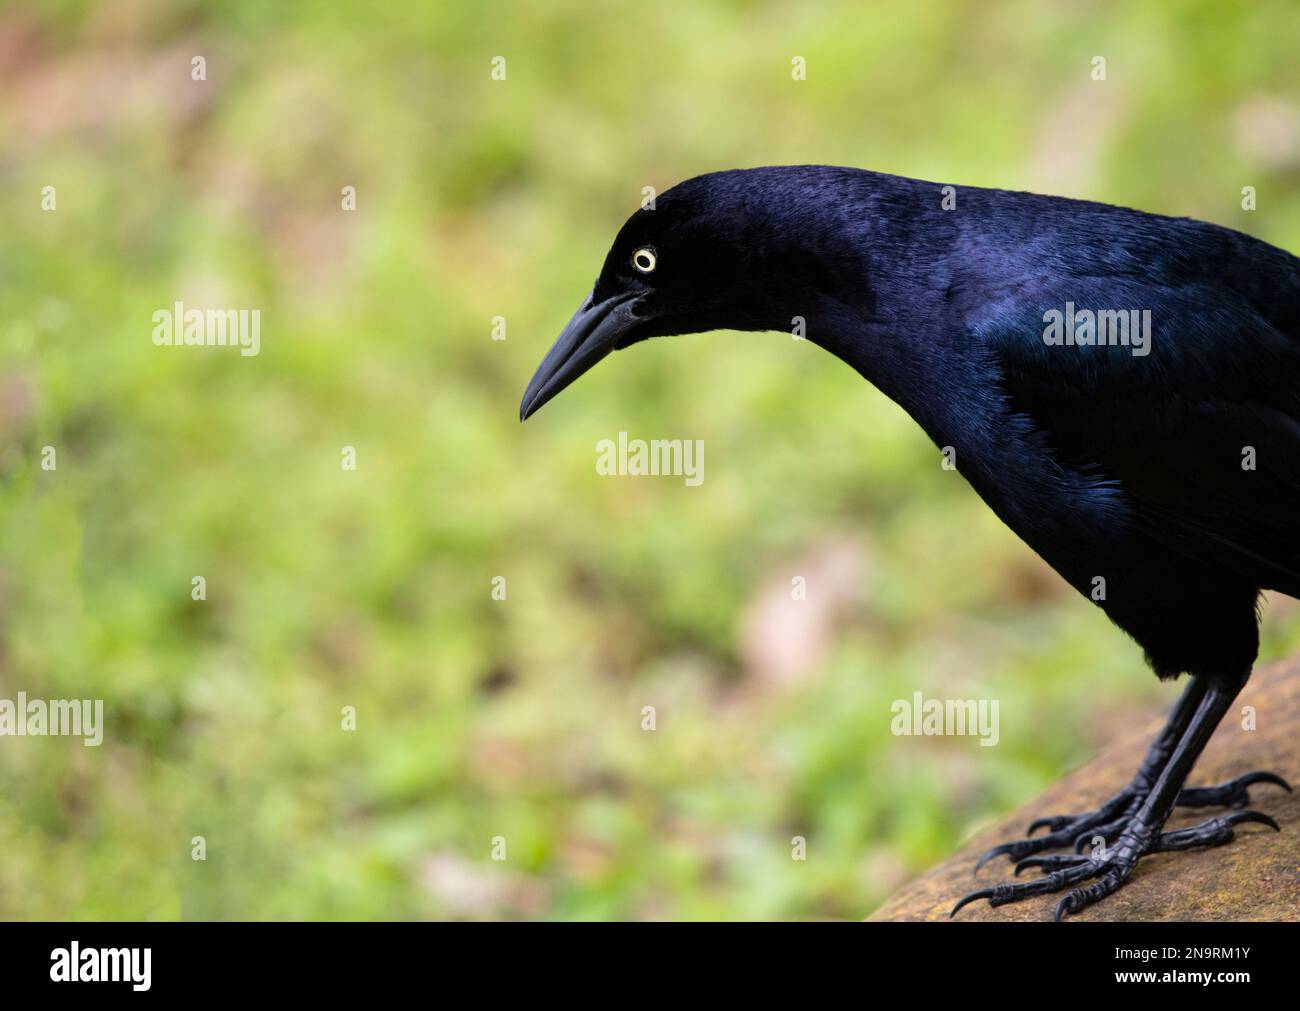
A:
[(521, 718)]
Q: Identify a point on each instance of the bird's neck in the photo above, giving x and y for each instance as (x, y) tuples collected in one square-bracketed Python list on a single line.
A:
[(866, 260), (905, 358)]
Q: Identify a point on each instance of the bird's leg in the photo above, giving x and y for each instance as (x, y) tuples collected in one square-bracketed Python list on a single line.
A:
[(1141, 832), (1104, 824)]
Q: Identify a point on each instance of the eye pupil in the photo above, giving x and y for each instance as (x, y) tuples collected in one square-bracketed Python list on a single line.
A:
[(643, 260)]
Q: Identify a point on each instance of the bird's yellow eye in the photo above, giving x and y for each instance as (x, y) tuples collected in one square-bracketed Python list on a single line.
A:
[(644, 259)]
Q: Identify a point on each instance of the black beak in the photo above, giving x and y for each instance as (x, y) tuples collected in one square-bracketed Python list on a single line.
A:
[(588, 338)]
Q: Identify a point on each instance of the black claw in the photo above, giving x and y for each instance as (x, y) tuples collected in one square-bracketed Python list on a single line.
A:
[(1251, 778), (1258, 816), (996, 851), (1017, 850), (983, 893), (1059, 821)]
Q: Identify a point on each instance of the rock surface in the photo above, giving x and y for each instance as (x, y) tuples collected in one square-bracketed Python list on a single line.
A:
[(1254, 877)]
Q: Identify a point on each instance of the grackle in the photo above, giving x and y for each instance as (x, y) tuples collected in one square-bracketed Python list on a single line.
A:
[(1121, 388)]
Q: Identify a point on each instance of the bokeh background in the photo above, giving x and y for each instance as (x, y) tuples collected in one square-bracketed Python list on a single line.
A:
[(480, 718)]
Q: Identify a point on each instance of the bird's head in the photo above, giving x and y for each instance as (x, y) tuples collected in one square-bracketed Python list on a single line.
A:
[(715, 252)]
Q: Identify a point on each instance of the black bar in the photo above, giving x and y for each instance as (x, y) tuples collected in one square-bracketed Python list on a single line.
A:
[(214, 960)]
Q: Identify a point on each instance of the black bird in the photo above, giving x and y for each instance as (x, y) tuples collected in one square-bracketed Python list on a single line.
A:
[(1155, 467)]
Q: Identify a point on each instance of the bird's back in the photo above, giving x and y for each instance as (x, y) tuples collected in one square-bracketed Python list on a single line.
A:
[(1198, 430)]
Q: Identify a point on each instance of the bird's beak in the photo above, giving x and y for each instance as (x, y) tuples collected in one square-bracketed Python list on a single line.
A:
[(588, 338)]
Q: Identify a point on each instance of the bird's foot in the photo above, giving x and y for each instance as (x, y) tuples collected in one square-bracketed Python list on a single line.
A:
[(1111, 865), (1103, 826)]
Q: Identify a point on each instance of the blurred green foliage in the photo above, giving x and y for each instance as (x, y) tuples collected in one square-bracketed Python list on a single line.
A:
[(328, 588)]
